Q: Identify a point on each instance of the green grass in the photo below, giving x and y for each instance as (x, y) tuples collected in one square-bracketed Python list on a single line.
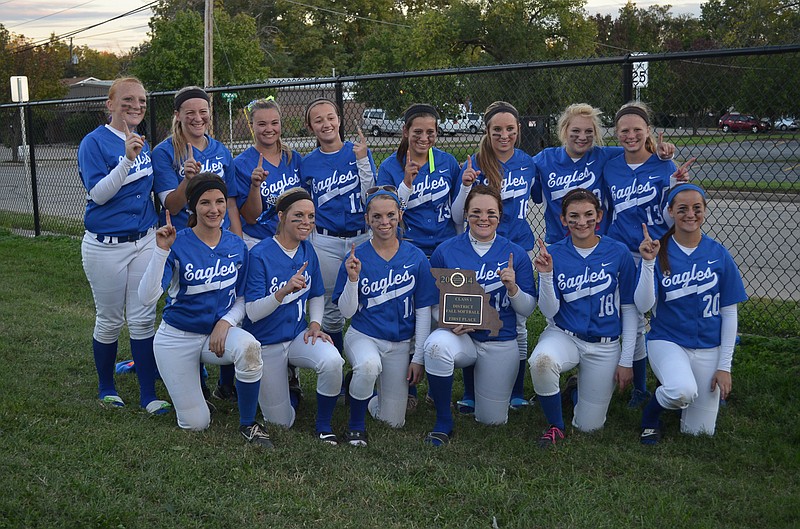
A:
[(67, 462)]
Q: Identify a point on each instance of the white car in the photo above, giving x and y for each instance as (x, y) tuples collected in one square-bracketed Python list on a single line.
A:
[(785, 123), (471, 122)]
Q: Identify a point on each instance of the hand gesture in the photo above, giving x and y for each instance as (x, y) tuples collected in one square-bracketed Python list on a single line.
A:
[(133, 144), (665, 151), (411, 170), (360, 148), (723, 380), (353, 265), (190, 167), (470, 175), (682, 174), (314, 332), (509, 277), (648, 248), (258, 175), (165, 235), (297, 282), (543, 261)]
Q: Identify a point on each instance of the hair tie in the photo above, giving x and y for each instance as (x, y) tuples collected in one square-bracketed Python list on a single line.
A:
[(202, 187), (683, 187), (420, 108), (632, 109), (497, 110), (191, 93), (291, 196)]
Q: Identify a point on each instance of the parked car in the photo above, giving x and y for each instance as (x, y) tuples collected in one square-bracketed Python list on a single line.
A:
[(471, 122), (735, 122), (377, 122), (448, 126), (785, 123)]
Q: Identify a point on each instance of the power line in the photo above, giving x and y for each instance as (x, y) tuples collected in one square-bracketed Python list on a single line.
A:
[(38, 43), (50, 15), (343, 14)]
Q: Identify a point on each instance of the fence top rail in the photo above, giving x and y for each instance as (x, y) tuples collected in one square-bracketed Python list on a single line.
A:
[(566, 63)]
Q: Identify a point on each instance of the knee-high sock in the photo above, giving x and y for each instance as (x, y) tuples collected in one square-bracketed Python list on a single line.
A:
[(105, 356), (227, 373), (142, 352), (338, 340), (551, 406), (247, 394), (469, 383), (441, 389), (652, 413), (640, 374), (358, 415), (519, 384), (325, 406)]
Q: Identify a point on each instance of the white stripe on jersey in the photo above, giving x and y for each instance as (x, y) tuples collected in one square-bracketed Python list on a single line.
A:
[(208, 287), (422, 199), (584, 292), (691, 289), (392, 294), (559, 194), (295, 295), (335, 192)]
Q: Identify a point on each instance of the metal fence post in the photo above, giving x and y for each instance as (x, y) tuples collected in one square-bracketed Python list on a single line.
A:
[(339, 91), (37, 224), (627, 79)]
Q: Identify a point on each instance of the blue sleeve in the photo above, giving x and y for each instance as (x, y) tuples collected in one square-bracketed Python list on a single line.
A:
[(385, 176), (627, 277), (242, 180), (317, 286), (731, 289), (169, 266), (165, 176), (241, 279), (455, 174), (256, 286), (91, 162), (437, 259), (427, 293)]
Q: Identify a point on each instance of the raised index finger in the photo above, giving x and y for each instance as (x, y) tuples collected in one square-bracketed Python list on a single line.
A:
[(686, 166), (169, 219), (353, 251), (661, 137), (361, 138), (646, 233), (542, 247), (189, 152), (511, 260), (303, 268), (260, 161)]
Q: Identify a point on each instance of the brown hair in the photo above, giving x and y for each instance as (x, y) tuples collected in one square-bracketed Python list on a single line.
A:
[(199, 185), (285, 201), (266, 104), (486, 157), (414, 112), (485, 191), (579, 194)]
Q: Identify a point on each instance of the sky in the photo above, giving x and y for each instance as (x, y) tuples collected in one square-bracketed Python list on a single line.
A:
[(37, 19)]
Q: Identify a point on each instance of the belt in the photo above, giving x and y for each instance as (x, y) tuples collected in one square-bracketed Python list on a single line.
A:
[(340, 234), (590, 339), (114, 239)]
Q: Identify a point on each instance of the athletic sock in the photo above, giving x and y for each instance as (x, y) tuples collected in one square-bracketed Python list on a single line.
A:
[(358, 414), (338, 340), (441, 390), (325, 406), (247, 394), (227, 375), (640, 374), (519, 384), (469, 383), (105, 358), (551, 406), (652, 413), (142, 352)]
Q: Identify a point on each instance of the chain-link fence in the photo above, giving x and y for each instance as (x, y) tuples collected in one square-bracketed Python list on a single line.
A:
[(750, 160)]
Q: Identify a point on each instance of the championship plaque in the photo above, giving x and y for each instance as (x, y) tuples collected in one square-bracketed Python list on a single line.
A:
[(462, 301)]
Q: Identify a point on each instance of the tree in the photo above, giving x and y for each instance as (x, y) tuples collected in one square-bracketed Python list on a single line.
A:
[(173, 57)]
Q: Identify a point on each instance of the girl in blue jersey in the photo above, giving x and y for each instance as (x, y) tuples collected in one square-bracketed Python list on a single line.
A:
[(426, 178), (501, 166), (188, 152), (635, 186), (386, 287), (115, 167), (504, 271), (265, 170), (692, 285), (336, 174), (284, 280), (586, 285), (203, 270)]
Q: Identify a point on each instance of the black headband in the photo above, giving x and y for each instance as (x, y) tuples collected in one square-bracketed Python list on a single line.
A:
[(642, 113), (192, 93), (421, 108), (319, 101), (290, 198), (202, 187), (497, 110)]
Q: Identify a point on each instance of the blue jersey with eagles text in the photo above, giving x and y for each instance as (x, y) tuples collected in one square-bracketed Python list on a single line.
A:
[(557, 174), (590, 290), (518, 173), (278, 179), (332, 179), (689, 298), (427, 216), (459, 253), (131, 210), (389, 292), (202, 283), (215, 158), (270, 270), (637, 196)]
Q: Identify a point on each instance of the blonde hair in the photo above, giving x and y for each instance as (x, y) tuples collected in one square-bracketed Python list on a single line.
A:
[(580, 110), (486, 157), (266, 104), (644, 112), (179, 141)]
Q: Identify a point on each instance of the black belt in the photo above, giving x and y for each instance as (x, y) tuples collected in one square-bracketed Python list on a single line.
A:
[(340, 234), (590, 339), (114, 239)]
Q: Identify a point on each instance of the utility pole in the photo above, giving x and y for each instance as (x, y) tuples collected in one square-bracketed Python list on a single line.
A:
[(208, 45)]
